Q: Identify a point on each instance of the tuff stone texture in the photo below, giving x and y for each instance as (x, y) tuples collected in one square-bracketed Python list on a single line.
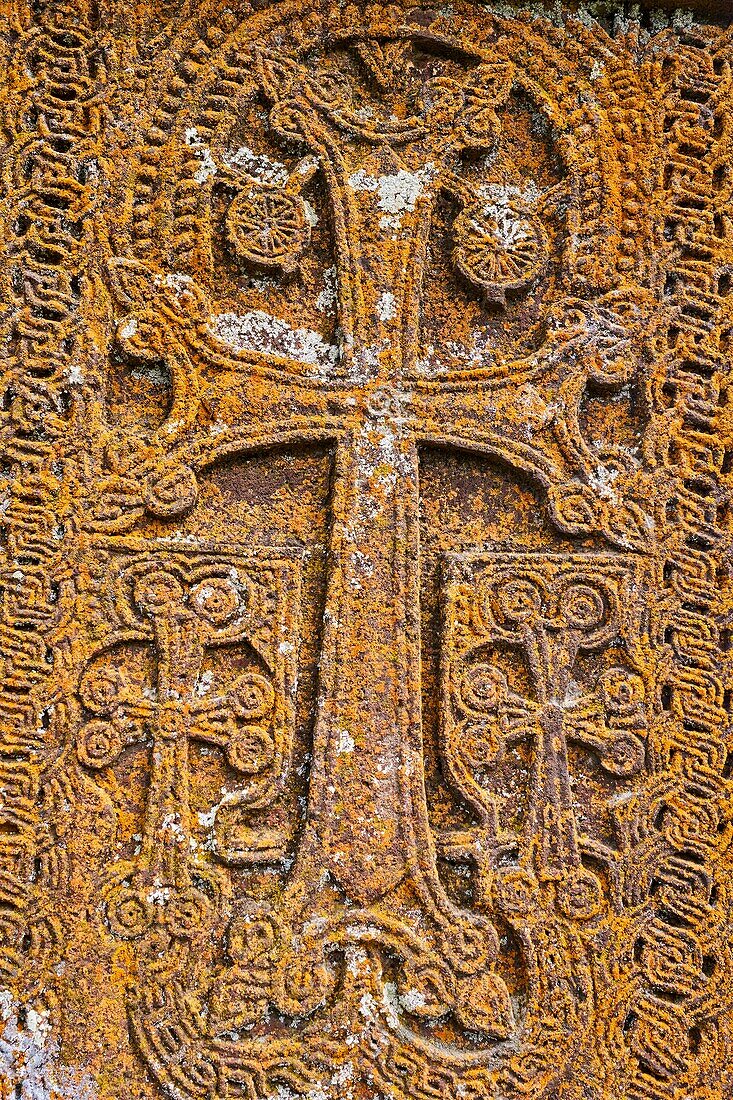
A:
[(366, 595)]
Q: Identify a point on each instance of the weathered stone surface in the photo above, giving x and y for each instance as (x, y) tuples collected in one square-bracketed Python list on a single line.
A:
[(366, 464)]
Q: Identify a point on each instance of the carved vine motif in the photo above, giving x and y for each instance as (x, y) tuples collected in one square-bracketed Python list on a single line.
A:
[(359, 910)]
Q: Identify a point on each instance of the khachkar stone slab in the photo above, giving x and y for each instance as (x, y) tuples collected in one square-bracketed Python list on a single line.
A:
[(366, 592)]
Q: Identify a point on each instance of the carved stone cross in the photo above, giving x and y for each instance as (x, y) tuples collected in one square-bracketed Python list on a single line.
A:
[(551, 614), (382, 186), (382, 190), (526, 219), (183, 617)]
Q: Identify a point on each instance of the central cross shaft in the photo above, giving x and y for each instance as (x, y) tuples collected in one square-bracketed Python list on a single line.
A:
[(368, 732), (369, 723)]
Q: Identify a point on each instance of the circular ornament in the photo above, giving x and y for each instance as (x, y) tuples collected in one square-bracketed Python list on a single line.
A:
[(575, 508), (187, 912), (216, 600), (469, 950), (302, 984), (622, 691), (520, 601), (255, 696), (624, 756), (268, 227), (99, 744), (479, 744), (251, 749), (129, 913), (170, 490), (484, 687), (102, 690), (252, 936), (157, 591), (516, 892), (582, 607), (499, 248), (579, 895)]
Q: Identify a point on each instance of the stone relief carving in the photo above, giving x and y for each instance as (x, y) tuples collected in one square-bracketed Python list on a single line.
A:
[(365, 720)]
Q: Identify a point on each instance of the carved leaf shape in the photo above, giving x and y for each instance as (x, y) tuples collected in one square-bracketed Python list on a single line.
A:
[(484, 1005), (277, 74), (131, 281), (628, 525), (425, 990)]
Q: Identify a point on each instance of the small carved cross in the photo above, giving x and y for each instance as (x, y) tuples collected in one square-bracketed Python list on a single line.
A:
[(183, 620), (581, 614)]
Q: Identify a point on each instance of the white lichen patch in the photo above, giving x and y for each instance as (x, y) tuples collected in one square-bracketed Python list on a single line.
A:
[(204, 683), (74, 375), (345, 742), (159, 895), (257, 165), (207, 167), (177, 281), (206, 820), (362, 563), (601, 479), (328, 297), (475, 354), (573, 695), (30, 1065), (386, 306), (128, 327), (397, 192), (310, 214), (500, 209), (171, 824), (368, 1008), (412, 999), (261, 332), (154, 374), (597, 69), (391, 1005), (503, 194)]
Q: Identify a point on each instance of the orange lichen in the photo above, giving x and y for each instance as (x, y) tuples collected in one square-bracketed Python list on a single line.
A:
[(365, 721)]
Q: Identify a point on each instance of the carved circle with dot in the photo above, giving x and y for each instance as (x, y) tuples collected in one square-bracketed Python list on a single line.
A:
[(129, 913), (216, 600), (579, 894), (170, 490), (624, 756), (483, 687), (156, 591), (251, 749), (255, 697), (582, 606), (302, 984), (251, 936), (479, 743), (103, 689), (268, 227), (187, 912), (520, 601), (499, 248), (622, 691), (99, 744)]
